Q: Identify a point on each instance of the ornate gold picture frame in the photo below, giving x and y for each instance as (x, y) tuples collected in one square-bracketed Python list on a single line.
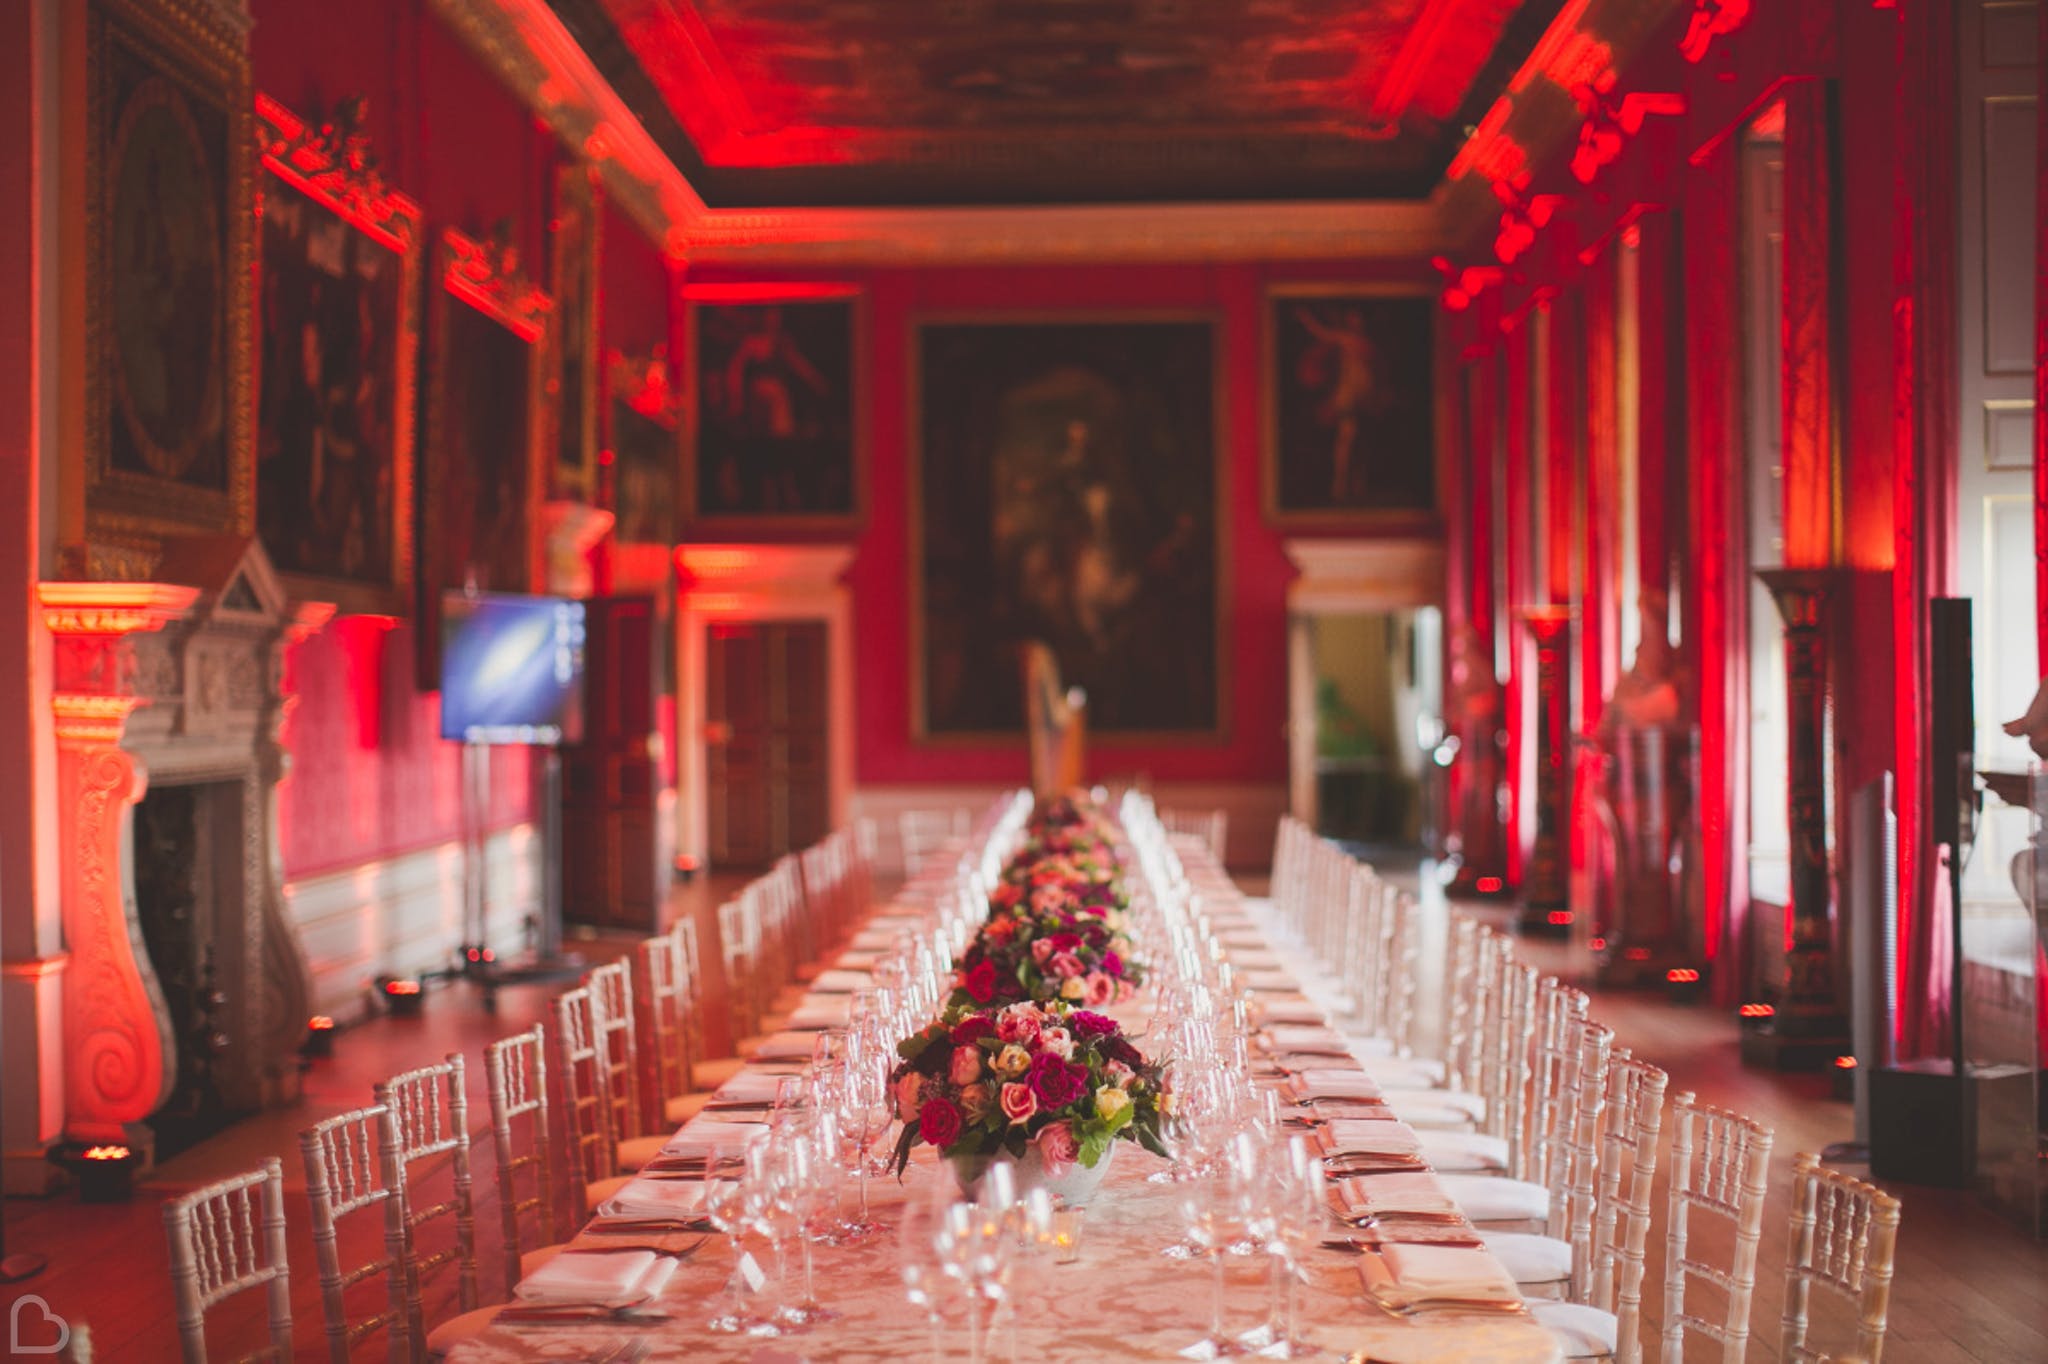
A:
[(1350, 406), (576, 258), (169, 258), (337, 289)]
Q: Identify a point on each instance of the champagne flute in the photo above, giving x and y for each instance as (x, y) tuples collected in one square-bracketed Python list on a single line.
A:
[(725, 1208)]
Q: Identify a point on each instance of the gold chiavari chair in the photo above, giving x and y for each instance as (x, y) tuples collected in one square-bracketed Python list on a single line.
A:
[(1844, 1234), (586, 1110), (1561, 1257), (430, 1108), (1720, 1167), (1211, 826), (1608, 1307), (352, 1167), (225, 1239), (516, 1070), (662, 990)]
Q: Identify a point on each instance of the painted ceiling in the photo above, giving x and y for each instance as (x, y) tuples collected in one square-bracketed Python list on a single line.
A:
[(783, 103)]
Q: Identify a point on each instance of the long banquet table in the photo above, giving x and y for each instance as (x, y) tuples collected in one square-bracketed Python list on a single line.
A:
[(1122, 1298)]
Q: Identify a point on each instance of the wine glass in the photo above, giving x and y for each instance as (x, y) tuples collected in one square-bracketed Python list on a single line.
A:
[(1210, 1210), (806, 1195), (725, 1208), (864, 1118)]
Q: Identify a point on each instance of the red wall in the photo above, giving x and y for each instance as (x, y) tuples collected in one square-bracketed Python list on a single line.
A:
[(1254, 571), (371, 778)]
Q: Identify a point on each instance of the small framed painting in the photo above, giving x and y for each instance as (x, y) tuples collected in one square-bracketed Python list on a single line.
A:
[(1351, 406), (480, 508), (337, 298), (774, 423)]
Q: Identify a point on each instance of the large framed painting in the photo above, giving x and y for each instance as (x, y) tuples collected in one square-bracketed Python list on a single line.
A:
[(647, 449), (337, 296), (484, 482), (169, 257), (1351, 406), (774, 409), (575, 256), (1066, 491)]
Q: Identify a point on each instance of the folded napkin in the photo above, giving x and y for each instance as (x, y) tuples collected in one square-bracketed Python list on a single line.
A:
[(819, 1013), (609, 1280), (1393, 1194), (700, 1140), (1329, 1082), (1254, 959), (749, 1085), (1289, 1037), (841, 981), (1370, 1137), (1269, 982), (1449, 1272), (661, 1200), (857, 961)]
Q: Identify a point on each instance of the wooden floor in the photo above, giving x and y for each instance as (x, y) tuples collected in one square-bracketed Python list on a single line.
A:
[(1969, 1288)]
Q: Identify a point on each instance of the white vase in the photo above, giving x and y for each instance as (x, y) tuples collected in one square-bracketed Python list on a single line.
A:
[(1073, 1187)]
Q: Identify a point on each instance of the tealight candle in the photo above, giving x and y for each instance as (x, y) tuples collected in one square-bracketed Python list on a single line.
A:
[(1066, 1235)]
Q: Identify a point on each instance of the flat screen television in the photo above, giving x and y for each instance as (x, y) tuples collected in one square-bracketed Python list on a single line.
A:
[(511, 669)]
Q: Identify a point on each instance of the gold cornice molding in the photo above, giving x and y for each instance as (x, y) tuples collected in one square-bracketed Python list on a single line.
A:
[(529, 49), (86, 608)]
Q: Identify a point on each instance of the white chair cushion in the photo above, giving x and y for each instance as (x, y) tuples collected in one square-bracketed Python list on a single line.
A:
[(1405, 1072), (1464, 1151), (1472, 1106), (635, 1152), (1531, 1261), (452, 1332), (1485, 1198), (712, 1074), (1584, 1332), (1432, 1118), (682, 1108)]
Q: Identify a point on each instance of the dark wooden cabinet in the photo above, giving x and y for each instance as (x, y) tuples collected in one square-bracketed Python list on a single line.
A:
[(767, 713), (611, 872)]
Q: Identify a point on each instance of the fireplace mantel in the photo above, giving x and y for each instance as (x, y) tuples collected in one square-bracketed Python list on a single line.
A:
[(171, 682)]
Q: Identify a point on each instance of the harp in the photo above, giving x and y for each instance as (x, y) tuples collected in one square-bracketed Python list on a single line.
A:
[(1058, 722)]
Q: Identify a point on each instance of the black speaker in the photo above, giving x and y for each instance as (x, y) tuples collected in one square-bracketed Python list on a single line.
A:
[(1953, 816), (1923, 1124)]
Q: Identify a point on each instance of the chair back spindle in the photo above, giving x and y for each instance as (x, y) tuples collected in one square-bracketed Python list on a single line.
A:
[(225, 1239)]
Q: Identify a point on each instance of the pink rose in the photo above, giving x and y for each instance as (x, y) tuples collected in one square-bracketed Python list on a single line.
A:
[(1125, 992), (975, 1101), (909, 1095), (1058, 1041), (1101, 990), (966, 1065), (1041, 948), (1057, 1148), (1019, 1103), (1018, 1023), (1064, 966), (1119, 1074)]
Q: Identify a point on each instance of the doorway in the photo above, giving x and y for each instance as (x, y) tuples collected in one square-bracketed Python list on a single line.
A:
[(1377, 716), (767, 744)]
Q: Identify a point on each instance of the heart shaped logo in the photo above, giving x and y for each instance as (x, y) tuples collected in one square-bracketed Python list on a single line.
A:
[(22, 1325)]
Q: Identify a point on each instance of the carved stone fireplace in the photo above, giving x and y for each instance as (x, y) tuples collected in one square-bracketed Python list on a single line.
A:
[(166, 686)]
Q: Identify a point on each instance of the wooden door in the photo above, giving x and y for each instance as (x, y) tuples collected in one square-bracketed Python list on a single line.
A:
[(610, 783), (766, 710)]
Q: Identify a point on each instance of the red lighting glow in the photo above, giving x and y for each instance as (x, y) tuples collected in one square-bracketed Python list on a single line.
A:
[(1636, 953), (1845, 1063), (1682, 975), (1758, 1011), (1488, 885), (320, 1023), (1560, 917), (107, 1153), (1598, 944), (401, 987)]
